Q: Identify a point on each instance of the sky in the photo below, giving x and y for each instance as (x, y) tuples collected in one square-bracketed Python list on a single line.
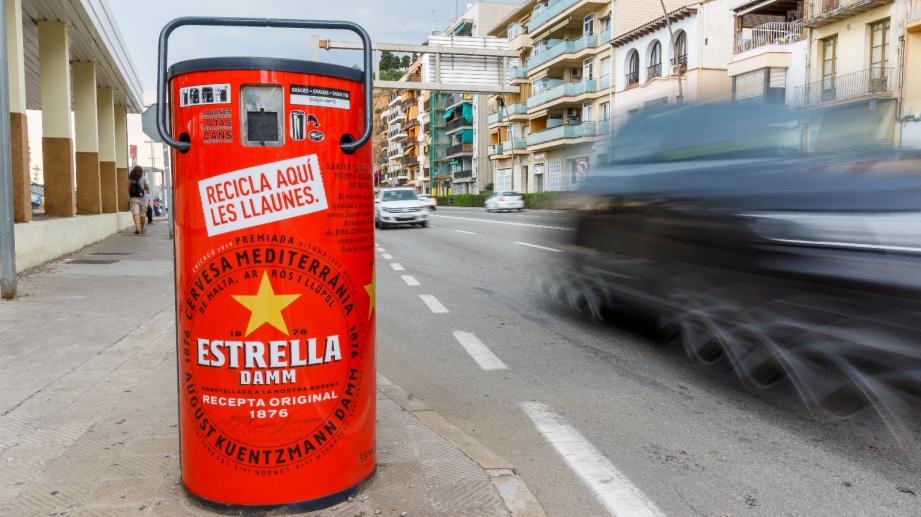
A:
[(140, 21), (392, 21)]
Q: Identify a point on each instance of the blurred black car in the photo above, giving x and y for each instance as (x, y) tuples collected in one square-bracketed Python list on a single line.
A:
[(758, 256)]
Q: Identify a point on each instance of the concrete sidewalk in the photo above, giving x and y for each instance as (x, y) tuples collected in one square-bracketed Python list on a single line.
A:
[(88, 419)]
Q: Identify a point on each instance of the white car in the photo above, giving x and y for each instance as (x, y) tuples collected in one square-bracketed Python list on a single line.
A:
[(504, 201), (429, 201), (399, 206)]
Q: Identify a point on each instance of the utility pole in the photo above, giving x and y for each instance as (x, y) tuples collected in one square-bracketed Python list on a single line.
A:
[(7, 225)]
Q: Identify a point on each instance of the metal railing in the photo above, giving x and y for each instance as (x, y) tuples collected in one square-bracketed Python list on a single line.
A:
[(519, 108), (681, 62), (456, 149), (580, 130), (459, 122), (517, 72), (515, 143), (653, 71), (495, 149), (410, 161), (563, 90), (632, 78), (830, 9), (871, 81), (773, 33), (462, 173), (457, 98), (560, 47)]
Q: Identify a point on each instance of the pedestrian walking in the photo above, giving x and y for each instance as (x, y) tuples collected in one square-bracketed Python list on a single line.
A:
[(137, 198)]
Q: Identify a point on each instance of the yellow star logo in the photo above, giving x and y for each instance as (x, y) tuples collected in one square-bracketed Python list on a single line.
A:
[(370, 290), (266, 306)]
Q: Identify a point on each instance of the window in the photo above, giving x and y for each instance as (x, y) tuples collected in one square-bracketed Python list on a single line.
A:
[(587, 112), (633, 68), (681, 51), (587, 70), (829, 63), (655, 61), (588, 25), (606, 23), (606, 111), (879, 55)]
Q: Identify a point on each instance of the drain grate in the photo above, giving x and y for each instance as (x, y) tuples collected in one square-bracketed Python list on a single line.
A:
[(92, 261)]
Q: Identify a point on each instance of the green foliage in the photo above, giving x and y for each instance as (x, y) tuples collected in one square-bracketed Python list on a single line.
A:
[(488, 187), (390, 75), (541, 199), (475, 200)]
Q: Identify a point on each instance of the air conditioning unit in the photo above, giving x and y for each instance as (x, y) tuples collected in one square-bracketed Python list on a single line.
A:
[(572, 113), (575, 73)]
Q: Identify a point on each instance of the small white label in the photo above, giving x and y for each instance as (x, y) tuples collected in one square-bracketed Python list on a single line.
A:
[(302, 95), (262, 194), (204, 94)]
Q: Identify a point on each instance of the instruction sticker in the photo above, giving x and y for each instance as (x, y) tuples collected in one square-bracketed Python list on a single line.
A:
[(303, 95), (262, 194), (204, 94)]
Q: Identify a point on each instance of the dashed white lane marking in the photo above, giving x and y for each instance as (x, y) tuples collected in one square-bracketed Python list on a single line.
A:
[(529, 225), (465, 231), (387, 256), (538, 246), (433, 304), (612, 488), (410, 281), (396, 266), (479, 352)]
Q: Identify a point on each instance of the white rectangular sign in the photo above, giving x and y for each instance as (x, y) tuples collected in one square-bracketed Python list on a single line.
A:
[(262, 194), (303, 95)]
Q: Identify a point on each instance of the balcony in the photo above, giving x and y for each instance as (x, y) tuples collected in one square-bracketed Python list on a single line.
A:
[(519, 108), (458, 98), (515, 144), (462, 174), (410, 161), (458, 123), (856, 86), (565, 131), (547, 13), (605, 82), (397, 116), (681, 62), (395, 136), (632, 78), (558, 47), (410, 124), (458, 150), (774, 33), (823, 12), (517, 73), (653, 71), (495, 149), (563, 90)]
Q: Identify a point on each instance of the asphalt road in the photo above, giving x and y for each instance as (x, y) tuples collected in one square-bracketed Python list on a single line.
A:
[(598, 418)]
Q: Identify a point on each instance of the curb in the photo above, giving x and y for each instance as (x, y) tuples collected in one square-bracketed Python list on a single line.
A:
[(514, 492)]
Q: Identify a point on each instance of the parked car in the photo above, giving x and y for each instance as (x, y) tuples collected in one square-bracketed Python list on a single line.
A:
[(429, 201), (506, 200), (399, 206)]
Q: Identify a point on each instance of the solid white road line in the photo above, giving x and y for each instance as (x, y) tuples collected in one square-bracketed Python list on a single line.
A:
[(465, 231), (410, 281), (433, 304), (387, 256), (611, 487), (493, 221), (528, 244), (396, 266), (478, 351)]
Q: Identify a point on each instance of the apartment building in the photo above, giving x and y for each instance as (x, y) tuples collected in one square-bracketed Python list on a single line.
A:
[(653, 58), (543, 138), (769, 52)]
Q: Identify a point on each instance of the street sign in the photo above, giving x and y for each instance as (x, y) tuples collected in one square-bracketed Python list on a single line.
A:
[(149, 123)]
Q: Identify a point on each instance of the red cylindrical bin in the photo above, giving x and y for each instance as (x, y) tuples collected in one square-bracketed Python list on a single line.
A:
[(274, 258)]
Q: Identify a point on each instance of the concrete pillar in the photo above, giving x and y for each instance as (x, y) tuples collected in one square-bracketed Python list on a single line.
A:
[(57, 133), (86, 138), (19, 131), (121, 156), (105, 99)]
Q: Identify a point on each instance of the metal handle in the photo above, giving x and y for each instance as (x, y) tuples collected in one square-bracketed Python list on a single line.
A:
[(163, 87)]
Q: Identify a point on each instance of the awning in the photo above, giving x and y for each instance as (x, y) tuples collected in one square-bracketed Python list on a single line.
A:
[(449, 113), (467, 111)]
